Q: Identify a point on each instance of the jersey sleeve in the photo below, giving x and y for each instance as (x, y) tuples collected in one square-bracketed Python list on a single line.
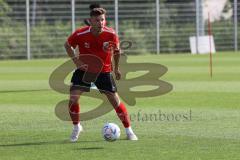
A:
[(72, 39)]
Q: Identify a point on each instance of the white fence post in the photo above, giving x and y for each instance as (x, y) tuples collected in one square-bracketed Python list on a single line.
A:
[(201, 19), (116, 16), (197, 24), (73, 15), (158, 27), (28, 31), (235, 26)]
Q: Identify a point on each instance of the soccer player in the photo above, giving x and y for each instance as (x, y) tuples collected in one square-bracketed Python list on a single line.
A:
[(97, 46), (91, 7)]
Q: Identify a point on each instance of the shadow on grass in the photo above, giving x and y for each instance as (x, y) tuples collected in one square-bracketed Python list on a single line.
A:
[(90, 148), (97, 148), (16, 91), (46, 143)]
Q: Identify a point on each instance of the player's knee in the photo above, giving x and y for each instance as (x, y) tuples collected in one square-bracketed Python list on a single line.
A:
[(110, 95), (74, 99), (113, 98)]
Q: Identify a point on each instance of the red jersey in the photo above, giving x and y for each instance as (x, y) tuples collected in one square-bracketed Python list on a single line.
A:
[(95, 46)]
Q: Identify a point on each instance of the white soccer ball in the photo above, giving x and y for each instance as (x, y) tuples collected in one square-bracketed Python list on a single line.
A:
[(111, 132)]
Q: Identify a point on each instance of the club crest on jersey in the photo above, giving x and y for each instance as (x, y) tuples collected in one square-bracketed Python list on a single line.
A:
[(86, 45), (105, 46)]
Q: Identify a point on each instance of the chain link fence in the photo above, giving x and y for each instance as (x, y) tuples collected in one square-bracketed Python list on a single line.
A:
[(38, 29)]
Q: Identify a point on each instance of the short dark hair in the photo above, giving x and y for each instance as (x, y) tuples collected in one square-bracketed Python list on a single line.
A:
[(94, 5), (97, 12)]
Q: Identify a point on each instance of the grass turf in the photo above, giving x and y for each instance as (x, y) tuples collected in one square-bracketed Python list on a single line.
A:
[(210, 129)]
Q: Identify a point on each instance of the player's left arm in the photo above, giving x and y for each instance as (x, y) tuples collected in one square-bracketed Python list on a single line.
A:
[(117, 72), (116, 57)]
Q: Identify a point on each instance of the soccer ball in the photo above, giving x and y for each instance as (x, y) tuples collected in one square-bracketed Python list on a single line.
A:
[(111, 132)]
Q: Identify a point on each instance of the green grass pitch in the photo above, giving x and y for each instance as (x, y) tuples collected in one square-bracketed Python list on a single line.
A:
[(210, 130)]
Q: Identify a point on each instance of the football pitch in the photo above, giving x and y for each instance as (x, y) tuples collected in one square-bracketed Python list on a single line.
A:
[(198, 120)]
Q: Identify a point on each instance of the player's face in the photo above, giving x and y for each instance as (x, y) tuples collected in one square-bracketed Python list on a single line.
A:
[(97, 22)]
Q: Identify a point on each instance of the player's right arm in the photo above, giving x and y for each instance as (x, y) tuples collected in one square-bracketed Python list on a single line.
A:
[(70, 45), (70, 52)]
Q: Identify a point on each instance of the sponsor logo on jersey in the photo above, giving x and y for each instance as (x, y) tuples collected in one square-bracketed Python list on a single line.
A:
[(86, 45)]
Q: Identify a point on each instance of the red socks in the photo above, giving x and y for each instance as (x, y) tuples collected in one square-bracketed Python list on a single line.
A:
[(74, 110), (121, 111), (123, 115)]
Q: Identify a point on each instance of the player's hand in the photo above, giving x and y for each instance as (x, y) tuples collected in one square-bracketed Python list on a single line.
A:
[(79, 64), (117, 74)]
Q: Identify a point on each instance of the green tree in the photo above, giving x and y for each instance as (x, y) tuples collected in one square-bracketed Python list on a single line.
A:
[(4, 10)]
